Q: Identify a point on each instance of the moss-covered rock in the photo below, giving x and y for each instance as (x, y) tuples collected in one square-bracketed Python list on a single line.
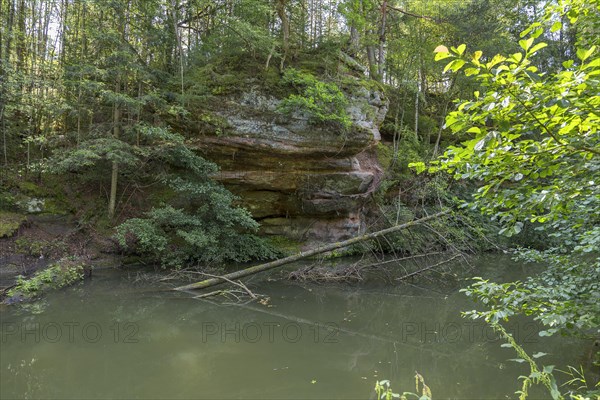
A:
[(285, 245), (304, 180), (10, 223), (63, 273)]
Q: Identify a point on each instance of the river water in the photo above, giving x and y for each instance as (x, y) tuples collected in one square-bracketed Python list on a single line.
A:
[(117, 336)]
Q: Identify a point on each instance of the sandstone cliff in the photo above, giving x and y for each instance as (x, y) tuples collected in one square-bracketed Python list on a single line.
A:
[(303, 181)]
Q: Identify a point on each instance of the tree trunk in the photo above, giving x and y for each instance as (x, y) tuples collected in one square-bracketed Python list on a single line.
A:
[(20, 42), (319, 250), (63, 45), (115, 166), (373, 71), (285, 30), (417, 104), (381, 58), (3, 127), (4, 68), (175, 5), (354, 41)]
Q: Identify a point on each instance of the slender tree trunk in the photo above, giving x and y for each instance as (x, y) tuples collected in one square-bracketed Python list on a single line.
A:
[(303, 22), (5, 50), (33, 90), (269, 57), (175, 6), (436, 147), (354, 41), (397, 130), (115, 166), (20, 46), (373, 71), (81, 39), (381, 58), (285, 30), (417, 95), (439, 135), (3, 124), (63, 45)]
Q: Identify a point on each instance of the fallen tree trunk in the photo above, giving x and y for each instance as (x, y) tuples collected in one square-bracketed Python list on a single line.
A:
[(304, 254)]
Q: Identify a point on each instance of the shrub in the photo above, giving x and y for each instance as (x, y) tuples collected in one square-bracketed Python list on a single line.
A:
[(322, 102)]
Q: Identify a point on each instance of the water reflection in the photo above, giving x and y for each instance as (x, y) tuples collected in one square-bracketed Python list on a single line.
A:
[(114, 338)]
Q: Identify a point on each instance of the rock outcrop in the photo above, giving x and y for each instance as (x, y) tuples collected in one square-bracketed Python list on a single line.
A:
[(306, 182)]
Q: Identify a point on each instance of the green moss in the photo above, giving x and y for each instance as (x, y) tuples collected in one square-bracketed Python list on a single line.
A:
[(65, 272), (38, 248), (57, 207), (284, 244), (10, 223), (215, 122), (385, 154), (31, 188), (355, 85), (348, 251)]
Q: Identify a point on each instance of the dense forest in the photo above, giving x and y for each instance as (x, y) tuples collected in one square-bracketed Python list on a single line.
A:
[(128, 116)]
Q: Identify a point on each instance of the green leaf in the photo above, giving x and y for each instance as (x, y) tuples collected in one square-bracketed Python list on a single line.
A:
[(455, 65), (471, 71), (419, 166), (497, 59), (556, 26), (537, 47), (518, 227), (534, 77), (526, 44), (583, 54), (537, 33), (554, 392), (595, 63), (441, 55), (461, 49), (573, 15), (548, 369), (525, 32), (539, 354)]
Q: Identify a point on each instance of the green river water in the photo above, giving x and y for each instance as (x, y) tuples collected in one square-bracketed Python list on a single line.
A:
[(116, 336)]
